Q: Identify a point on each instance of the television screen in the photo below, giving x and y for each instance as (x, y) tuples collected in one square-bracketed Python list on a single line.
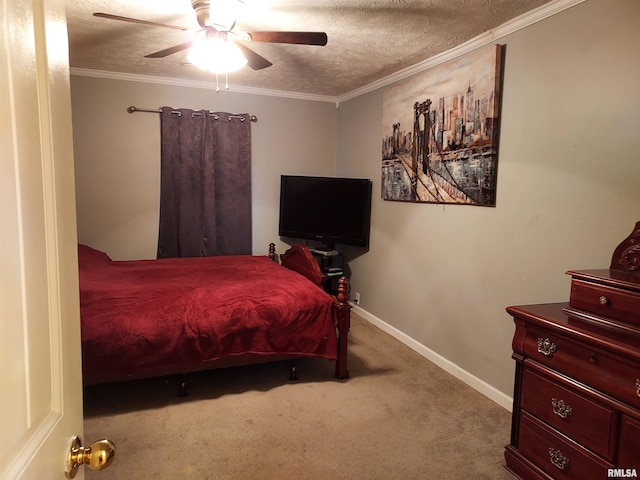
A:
[(326, 209)]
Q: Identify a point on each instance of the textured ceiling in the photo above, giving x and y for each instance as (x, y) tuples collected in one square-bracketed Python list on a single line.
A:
[(368, 39)]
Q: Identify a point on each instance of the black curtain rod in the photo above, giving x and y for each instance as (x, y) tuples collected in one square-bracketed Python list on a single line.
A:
[(133, 109)]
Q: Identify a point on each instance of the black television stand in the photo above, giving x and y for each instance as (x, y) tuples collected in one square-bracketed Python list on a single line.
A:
[(324, 251), (332, 265)]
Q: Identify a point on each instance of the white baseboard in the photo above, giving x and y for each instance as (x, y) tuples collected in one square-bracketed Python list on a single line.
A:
[(474, 382)]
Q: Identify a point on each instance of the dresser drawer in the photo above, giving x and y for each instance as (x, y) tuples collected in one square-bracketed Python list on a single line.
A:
[(629, 451), (613, 375), (605, 301), (556, 455), (573, 413)]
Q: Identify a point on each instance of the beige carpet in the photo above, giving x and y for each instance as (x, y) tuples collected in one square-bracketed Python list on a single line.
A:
[(397, 417)]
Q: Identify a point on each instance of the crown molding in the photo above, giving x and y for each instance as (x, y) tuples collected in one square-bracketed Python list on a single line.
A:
[(178, 82), (492, 36)]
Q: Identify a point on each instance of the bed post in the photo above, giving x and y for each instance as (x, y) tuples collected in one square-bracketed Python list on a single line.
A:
[(272, 251), (299, 259), (344, 324)]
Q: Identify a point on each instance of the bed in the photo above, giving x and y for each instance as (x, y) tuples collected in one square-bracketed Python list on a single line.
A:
[(144, 318)]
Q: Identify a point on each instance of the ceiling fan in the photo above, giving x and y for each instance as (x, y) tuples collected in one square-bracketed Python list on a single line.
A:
[(217, 22)]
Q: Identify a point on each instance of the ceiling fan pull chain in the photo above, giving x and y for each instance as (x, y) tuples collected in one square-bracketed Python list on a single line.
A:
[(217, 85), (226, 84)]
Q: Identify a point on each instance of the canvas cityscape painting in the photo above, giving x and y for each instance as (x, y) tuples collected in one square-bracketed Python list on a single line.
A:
[(440, 132)]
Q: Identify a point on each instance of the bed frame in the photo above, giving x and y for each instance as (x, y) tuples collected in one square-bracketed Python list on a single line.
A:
[(299, 259)]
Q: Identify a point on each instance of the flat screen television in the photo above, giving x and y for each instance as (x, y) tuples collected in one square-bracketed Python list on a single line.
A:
[(329, 210)]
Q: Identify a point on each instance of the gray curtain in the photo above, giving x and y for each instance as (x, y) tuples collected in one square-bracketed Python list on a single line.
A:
[(205, 184)]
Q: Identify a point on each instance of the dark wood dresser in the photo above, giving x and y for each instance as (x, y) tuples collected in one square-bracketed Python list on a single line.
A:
[(576, 406)]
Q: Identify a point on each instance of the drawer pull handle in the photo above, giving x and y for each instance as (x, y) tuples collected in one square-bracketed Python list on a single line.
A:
[(638, 386), (560, 408), (558, 459), (546, 347), (603, 300)]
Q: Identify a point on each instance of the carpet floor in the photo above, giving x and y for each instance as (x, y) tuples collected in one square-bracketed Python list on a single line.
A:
[(398, 417)]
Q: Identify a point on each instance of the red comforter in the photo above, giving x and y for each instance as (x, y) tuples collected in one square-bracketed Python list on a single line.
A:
[(149, 316)]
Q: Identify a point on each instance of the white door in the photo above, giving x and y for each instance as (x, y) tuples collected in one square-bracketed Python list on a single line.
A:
[(40, 363)]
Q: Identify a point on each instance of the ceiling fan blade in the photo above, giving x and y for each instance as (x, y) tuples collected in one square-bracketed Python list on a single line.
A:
[(299, 38), (171, 50), (135, 20), (255, 61)]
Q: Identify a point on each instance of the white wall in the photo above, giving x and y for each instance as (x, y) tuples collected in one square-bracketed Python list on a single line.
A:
[(568, 193), (117, 156)]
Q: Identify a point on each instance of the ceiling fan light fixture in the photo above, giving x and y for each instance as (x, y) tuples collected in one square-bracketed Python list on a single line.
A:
[(219, 14), (216, 54), (223, 13)]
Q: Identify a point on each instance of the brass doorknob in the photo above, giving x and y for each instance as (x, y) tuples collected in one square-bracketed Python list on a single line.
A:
[(97, 456)]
